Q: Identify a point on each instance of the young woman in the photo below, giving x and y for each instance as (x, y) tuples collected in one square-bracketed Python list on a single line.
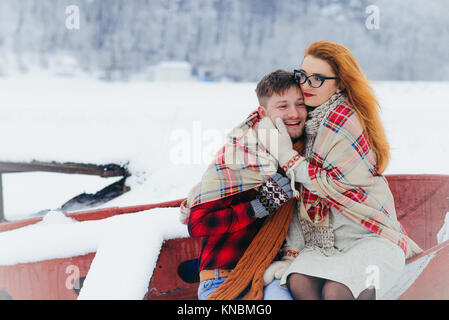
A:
[(345, 236)]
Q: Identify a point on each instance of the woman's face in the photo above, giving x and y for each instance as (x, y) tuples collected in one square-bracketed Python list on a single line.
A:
[(314, 97)]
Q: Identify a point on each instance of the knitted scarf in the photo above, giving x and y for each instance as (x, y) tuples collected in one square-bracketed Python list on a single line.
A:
[(315, 117)]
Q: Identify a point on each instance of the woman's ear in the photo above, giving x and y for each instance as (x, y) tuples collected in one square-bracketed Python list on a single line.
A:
[(261, 111), (340, 87)]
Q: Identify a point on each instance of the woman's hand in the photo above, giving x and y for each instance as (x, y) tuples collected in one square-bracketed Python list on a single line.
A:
[(276, 269), (276, 139)]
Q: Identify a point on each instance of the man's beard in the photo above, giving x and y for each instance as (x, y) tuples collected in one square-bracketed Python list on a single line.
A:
[(294, 140)]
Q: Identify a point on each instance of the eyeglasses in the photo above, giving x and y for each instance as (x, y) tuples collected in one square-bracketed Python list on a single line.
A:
[(315, 81)]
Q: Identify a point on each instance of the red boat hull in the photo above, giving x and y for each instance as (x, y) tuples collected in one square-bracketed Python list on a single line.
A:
[(421, 203)]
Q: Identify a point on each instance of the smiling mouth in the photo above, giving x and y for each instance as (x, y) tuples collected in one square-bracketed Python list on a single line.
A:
[(292, 123)]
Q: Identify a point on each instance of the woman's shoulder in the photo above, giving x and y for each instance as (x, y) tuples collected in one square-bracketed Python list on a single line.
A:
[(341, 116)]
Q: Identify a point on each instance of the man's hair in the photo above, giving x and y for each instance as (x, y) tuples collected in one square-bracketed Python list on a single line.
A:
[(276, 82)]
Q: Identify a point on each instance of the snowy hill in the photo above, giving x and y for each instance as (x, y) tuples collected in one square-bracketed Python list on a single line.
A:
[(236, 39)]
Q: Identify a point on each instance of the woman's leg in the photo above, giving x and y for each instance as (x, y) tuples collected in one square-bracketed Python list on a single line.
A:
[(304, 287), (333, 290), (367, 294)]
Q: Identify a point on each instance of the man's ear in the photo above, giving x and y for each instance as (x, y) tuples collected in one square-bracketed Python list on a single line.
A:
[(261, 111)]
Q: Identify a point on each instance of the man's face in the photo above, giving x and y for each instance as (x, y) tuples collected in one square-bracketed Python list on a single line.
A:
[(290, 108)]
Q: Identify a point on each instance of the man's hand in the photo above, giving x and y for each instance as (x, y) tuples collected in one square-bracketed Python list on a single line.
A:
[(272, 195), (276, 139)]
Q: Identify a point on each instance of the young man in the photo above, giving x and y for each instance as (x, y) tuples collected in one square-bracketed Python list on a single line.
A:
[(228, 225)]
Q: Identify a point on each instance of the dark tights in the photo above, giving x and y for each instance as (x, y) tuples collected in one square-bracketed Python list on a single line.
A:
[(303, 287)]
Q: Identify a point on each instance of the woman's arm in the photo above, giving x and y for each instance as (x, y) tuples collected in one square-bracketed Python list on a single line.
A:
[(324, 174), (302, 176)]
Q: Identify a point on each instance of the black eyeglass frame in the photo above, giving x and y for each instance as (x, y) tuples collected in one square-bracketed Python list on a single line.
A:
[(296, 72)]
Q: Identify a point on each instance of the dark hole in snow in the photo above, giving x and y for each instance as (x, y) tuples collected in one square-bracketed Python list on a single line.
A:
[(188, 271)]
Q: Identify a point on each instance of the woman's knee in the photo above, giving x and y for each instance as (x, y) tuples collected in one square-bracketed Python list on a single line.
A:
[(297, 280), (367, 294), (333, 290), (304, 287)]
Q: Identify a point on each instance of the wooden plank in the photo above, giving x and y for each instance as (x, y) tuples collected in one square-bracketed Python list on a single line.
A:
[(86, 200), (105, 171)]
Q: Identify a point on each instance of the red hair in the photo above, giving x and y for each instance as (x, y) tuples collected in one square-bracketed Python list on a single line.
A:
[(360, 94)]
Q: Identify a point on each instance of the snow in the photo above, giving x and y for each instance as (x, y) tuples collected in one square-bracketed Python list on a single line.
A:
[(443, 234), (133, 242), (165, 134), (140, 125), (171, 71), (127, 245), (409, 275), (56, 218), (58, 188)]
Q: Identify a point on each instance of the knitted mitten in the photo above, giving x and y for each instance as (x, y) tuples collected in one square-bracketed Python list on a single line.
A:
[(276, 270), (272, 195), (279, 144)]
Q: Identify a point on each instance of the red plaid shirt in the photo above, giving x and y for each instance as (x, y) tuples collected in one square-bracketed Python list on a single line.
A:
[(227, 226)]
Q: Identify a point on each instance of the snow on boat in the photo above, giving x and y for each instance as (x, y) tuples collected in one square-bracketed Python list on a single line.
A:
[(421, 202)]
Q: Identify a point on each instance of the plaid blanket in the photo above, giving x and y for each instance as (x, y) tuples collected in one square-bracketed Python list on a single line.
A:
[(342, 169), (241, 164)]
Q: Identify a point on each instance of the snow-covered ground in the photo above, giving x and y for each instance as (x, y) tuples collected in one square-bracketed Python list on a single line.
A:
[(166, 134), (159, 130)]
